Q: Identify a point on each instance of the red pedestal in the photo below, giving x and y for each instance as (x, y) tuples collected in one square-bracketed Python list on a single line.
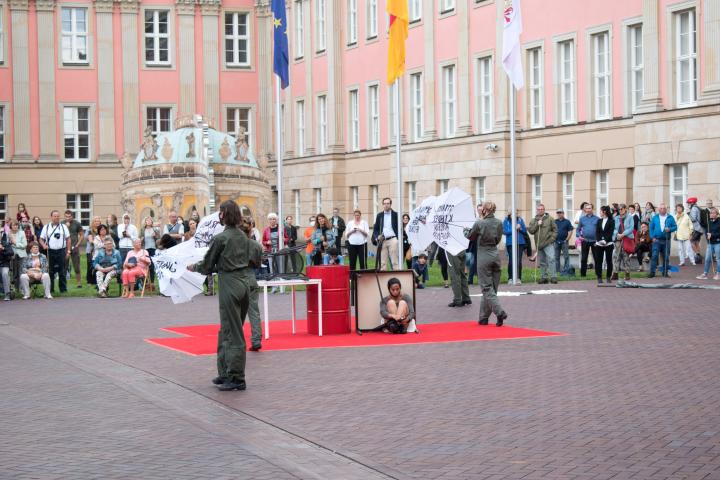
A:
[(335, 299)]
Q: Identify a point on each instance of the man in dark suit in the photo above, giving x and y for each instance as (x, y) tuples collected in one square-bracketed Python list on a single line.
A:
[(385, 232), (339, 226)]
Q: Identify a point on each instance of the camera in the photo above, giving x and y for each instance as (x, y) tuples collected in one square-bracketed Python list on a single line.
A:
[(57, 235)]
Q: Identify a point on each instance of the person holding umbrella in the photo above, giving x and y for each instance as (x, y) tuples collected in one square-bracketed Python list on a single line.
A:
[(230, 255), (487, 232)]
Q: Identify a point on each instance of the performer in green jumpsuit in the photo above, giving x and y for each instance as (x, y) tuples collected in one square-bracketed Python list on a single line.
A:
[(458, 280), (254, 307), (487, 232), (230, 256)]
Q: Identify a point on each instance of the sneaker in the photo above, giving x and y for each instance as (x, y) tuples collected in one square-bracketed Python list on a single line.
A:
[(7, 297), (49, 297), (702, 277), (26, 297), (681, 264), (716, 276)]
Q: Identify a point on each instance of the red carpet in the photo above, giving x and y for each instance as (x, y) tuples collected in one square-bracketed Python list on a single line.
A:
[(202, 339)]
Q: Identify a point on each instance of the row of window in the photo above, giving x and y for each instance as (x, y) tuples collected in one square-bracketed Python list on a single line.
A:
[(79, 203)]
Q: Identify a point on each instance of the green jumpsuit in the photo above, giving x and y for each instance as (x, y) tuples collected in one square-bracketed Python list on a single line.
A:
[(488, 232), (458, 279), (230, 255), (254, 307)]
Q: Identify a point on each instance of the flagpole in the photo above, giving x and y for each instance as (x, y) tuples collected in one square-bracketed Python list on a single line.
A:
[(400, 233), (514, 248), (279, 157)]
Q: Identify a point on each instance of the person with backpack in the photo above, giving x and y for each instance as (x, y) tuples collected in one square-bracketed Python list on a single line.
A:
[(696, 216)]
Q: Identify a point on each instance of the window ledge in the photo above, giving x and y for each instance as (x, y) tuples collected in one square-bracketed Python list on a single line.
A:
[(237, 67)]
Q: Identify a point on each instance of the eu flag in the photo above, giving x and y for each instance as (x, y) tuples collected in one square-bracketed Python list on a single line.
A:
[(281, 58)]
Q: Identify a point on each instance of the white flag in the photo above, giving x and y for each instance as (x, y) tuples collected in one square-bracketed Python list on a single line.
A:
[(512, 52)]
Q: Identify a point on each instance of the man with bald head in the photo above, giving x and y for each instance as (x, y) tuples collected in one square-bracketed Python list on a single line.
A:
[(662, 226), (175, 229)]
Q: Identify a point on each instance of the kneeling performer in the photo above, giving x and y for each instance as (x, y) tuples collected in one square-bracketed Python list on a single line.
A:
[(396, 309)]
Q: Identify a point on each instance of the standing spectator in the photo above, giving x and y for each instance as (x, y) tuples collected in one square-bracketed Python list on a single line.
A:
[(420, 269), (150, 235), (407, 252), (19, 244), (108, 265), (507, 231), (545, 231), (661, 227), (55, 238), (76, 237), (587, 230), (90, 249), (290, 232), (632, 211), (6, 259), (127, 233), (309, 247), (357, 233), (135, 266), (35, 269), (270, 237), (190, 232), (112, 226), (564, 230), (385, 233), (26, 226), (649, 212), (37, 227), (624, 240), (322, 238), (698, 230), (643, 244), (175, 228), (21, 211), (605, 235), (255, 233), (683, 234), (338, 225), (713, 247)]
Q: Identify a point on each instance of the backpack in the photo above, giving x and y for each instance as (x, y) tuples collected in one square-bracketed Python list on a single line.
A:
[(704, 217)]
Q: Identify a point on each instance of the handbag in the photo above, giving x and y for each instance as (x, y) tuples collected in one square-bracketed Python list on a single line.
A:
[(628, 244)]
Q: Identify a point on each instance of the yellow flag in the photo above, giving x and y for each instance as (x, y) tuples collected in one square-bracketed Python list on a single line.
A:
[(398, 11)]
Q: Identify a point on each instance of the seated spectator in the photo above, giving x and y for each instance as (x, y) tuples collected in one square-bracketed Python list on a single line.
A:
[(420, 268), (107, 266), (6, 258), (34, 269), (643, 244), (135, 266), (396, 309)]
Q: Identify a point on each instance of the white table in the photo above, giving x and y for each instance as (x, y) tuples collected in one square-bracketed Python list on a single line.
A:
[(292, 283)]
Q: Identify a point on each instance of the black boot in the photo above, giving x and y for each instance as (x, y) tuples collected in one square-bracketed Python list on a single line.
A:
[(501, 319), (230, 385), (483, 321)]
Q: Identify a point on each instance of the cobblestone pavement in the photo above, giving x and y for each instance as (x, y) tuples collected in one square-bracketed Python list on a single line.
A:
[(632, 392)]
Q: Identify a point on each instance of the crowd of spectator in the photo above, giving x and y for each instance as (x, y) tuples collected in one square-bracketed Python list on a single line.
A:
[(36, 254)]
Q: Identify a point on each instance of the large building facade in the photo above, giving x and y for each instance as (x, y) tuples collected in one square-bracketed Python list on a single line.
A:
[(621, 102)]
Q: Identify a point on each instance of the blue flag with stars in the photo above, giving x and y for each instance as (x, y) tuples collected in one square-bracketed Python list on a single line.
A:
[(281, 58)]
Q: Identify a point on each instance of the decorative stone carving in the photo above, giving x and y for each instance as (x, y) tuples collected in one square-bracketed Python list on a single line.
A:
[(241, 145), (263, 163), (167, 150), (185, 7), (129, 6), (190, 139), (224, 150), (126, 161), (18, 4), (128, 206), (44, 5), (149, 145), (104, 6), (177, 201), (209, 7)]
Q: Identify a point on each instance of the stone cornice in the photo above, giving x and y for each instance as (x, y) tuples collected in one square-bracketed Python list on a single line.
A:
[(18, 4), (129, 6), (209, 7), (185, 7), (44, 5), (104, 6)]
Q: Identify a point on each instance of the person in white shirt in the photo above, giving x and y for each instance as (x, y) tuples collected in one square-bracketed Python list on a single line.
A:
[(385, 233), (175, 228), (356, 235), (55, 238), (127, 233)]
